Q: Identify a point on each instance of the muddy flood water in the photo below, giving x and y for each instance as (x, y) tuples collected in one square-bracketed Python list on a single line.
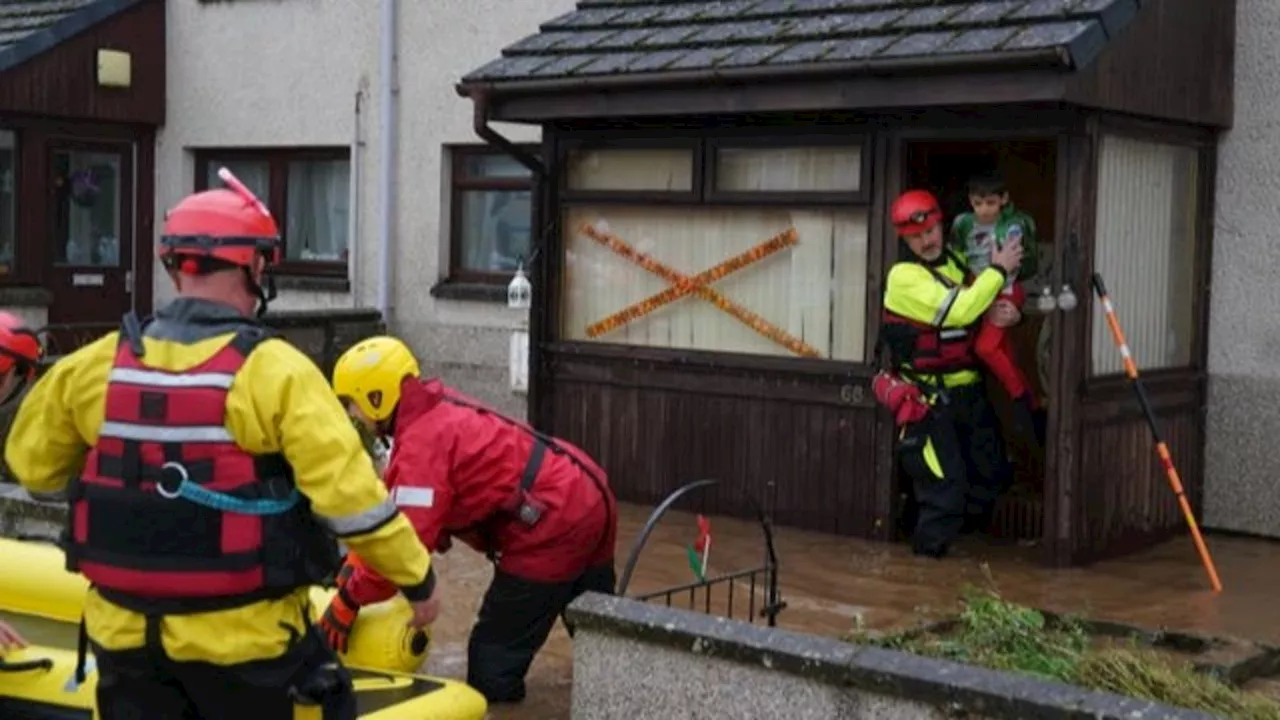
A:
[(831, 584)]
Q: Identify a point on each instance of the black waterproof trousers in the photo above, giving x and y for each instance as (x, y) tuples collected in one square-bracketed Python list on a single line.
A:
[(515, 619), (143, 684), (971, 471)]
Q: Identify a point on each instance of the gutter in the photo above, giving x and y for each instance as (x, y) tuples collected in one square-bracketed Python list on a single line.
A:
[(480, 122), (1057, 57), (386, 183)]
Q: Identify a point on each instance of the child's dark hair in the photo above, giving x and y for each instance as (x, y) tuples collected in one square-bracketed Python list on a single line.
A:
[(985, 184)]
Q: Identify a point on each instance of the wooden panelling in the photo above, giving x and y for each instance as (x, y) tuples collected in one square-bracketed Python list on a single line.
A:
[(802, 446), (1174, 61), (62, 82), (1123, 501)]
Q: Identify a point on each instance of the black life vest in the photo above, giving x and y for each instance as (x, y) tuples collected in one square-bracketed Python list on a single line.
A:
[(928, 351), (170, 515)]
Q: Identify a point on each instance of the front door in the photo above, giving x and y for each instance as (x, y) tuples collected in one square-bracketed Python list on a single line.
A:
[(91, 228)]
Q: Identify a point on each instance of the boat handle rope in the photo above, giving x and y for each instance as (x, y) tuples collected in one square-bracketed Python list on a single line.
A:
[(223, 502), (45, 664)]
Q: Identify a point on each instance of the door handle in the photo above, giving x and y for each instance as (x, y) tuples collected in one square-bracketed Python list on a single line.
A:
[(128, 282)]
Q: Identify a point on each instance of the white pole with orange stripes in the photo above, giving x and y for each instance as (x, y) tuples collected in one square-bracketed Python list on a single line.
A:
[(1131, 369)]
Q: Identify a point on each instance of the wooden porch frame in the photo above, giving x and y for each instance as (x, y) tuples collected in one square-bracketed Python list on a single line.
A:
[(884, 147), (885, 139)]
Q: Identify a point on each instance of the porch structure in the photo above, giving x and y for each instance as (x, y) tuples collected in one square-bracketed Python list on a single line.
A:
[(752, 148)]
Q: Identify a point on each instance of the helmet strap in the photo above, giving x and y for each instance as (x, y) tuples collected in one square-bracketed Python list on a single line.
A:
[(25, 373), (264, 295), (387, 428)]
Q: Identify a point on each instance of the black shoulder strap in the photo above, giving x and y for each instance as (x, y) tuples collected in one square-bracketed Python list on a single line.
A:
[(131, 332), (249, 337)]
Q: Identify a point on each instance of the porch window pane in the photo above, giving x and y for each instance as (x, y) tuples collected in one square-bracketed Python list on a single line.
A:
[(319, 193), (87, 206), (814, 290), (806, 169), (8, 199), (666, 170), (255, 174), (1145, 251)]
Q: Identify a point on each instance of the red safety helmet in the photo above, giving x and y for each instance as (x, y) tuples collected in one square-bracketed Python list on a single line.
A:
[(230, 225), (914, 212), (20, 349)]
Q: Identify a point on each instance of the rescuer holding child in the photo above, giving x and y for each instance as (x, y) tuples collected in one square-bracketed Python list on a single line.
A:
[(950, 443)]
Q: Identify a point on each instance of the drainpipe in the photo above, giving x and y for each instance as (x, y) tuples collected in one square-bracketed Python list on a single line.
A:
[(354, 246), (387, 181)]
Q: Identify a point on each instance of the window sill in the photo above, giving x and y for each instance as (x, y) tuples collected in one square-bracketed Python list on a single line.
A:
[(25, 296), (470, 291), (313, 283)]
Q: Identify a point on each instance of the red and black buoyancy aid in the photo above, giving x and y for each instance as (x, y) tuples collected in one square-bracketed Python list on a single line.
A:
[(928, 349), (148, 544)]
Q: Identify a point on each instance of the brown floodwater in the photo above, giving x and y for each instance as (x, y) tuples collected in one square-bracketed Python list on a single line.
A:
[(833, 584)]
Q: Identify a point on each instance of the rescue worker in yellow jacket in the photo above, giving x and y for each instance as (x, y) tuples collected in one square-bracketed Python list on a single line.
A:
[(950, 444), (208, 469)]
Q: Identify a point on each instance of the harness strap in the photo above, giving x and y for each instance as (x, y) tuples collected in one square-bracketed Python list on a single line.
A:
[(534, 464)]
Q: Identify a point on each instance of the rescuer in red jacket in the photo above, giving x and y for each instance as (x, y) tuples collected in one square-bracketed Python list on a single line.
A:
[(539, 507)]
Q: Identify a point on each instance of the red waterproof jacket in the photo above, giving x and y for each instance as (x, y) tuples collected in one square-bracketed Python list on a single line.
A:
[(455, 471)]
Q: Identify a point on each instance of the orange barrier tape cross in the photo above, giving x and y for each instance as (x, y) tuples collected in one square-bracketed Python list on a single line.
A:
[(682, 285)]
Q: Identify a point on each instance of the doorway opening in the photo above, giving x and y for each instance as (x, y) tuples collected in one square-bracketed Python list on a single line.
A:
[(1029, 170)]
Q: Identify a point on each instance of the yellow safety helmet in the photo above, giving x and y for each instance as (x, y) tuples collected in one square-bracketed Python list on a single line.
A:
[(370, 374)]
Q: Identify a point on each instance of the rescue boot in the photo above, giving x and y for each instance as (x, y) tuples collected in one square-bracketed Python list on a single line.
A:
[(937, 551)]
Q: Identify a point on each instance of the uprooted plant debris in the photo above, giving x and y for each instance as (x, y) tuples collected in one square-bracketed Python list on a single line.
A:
[(994, 633)]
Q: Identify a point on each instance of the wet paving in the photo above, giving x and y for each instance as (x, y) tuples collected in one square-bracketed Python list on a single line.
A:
[(832, 584)]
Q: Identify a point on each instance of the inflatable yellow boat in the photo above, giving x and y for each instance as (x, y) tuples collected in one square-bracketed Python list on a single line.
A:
[(43, 602)]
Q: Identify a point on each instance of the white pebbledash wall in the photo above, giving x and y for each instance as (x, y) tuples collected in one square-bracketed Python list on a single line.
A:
[(1242, 485), (288, 74)]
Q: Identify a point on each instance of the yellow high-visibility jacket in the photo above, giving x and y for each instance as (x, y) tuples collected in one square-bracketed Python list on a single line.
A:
[(911, 291), (279, 402)]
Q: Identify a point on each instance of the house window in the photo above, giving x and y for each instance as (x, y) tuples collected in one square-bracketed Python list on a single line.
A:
[(8, 199), (1147, 213), (779, 270), (491, 214), (309, 194)]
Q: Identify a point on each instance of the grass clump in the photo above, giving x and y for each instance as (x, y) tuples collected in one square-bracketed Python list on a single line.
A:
[(994, 633)]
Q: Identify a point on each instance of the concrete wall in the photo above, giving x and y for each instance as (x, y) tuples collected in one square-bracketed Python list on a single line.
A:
[(1241, 490), (287, 74), (637, 661)]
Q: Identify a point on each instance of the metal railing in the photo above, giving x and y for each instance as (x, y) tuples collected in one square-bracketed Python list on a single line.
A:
[(762, 577)]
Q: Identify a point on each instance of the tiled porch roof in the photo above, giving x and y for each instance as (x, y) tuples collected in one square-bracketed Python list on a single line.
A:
[(606, 39)]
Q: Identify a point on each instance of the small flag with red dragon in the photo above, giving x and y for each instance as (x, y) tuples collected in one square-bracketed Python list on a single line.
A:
[(700, 547)]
